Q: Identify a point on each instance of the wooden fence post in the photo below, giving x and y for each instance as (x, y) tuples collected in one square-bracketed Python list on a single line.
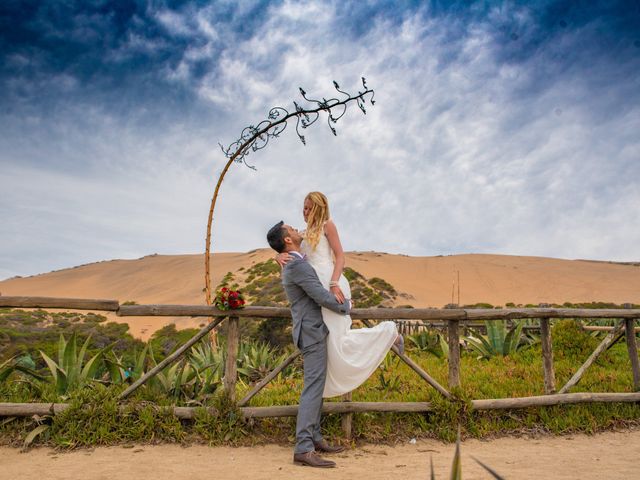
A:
[(547, 357), (632, 348), (231, 365), (454, 353), (347, 418)]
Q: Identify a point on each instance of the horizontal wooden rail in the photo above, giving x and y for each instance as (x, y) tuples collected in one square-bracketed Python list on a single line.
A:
[(199, 311), (53, 302), (597, 328), (41, 409), (386, 313), (445, 315), (29, 409)]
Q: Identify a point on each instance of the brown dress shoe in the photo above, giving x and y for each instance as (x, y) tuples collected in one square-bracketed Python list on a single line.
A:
[(323, 446), (312, 459)]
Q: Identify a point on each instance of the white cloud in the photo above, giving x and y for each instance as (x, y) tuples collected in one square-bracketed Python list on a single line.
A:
[(463, 151)]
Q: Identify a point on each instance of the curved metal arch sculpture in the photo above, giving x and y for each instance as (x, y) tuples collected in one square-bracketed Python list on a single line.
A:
[(254, 138)]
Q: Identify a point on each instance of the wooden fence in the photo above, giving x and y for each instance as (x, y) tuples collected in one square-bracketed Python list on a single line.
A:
[(455, 319)]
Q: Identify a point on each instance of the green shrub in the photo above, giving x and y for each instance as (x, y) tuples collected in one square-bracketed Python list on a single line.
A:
[(571, 341), (166, 340), (94, 417), (221, 423)]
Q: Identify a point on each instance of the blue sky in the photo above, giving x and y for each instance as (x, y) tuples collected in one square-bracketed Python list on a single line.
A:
[(499, 127)]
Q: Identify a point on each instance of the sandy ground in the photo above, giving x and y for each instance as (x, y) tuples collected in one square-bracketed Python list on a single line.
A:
[(424, 281), (605, 455)]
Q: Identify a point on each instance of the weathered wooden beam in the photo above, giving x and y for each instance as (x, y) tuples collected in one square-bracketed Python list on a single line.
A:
[(444, 315), (407, 313), (415, 367), (200, 311), (189, 413), (603, 328), (284, 312), (516, 313), (383, 313), (279, 312), (556, 399), (54, 302), (171, 358), (231, 365), (609, 340), (273, 374), (414, 407), (547, 357), (339, 407), (632, 348), (41, 409), (347, 419), (29, 409), (453, 338)]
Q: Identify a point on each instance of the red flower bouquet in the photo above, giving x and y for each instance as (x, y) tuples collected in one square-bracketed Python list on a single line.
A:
[(227, 299)]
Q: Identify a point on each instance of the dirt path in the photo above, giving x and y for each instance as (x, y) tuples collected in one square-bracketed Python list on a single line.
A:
[(606, 455)]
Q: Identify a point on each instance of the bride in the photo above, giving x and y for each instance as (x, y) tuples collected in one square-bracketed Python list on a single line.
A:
[(353, 355)]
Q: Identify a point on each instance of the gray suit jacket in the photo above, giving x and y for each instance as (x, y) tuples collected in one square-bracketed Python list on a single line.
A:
[(306, 294)]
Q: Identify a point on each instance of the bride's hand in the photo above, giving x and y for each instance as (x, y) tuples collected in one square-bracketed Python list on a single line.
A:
[(282, 259), (338, 293)]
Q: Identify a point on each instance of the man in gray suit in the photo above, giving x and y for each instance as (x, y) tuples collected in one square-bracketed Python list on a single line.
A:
[(306, 294)]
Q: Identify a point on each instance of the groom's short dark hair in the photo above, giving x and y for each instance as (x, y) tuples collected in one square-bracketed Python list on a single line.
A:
[(275, 237)]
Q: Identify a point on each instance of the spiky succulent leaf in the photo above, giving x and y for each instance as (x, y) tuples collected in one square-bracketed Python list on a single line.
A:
[(495, 474)]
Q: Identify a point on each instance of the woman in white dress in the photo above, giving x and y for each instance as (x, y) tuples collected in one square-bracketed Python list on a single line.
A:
[(352, 355)]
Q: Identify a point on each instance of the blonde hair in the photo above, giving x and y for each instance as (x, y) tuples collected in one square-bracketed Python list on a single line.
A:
[(317, 217)]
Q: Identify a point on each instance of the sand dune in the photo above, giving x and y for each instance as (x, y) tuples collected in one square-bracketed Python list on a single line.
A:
[(427, 281)]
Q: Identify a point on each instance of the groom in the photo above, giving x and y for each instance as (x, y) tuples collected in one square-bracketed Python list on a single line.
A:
[(306, 294)]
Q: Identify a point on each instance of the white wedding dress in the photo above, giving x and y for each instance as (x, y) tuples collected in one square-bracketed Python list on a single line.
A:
[(353, 355)]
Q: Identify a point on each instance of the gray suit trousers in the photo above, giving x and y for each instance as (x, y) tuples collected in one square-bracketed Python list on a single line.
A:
[(315, 373)]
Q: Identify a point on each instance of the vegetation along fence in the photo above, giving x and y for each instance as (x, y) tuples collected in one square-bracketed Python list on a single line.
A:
[(454, 320)]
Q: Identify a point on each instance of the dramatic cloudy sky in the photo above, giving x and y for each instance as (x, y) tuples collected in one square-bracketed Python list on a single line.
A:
[(499, 127)]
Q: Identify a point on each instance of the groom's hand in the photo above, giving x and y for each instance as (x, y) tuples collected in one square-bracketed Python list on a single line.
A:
[(337, 292)]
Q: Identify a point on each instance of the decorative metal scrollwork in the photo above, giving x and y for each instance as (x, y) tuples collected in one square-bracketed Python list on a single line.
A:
[(254, 138)]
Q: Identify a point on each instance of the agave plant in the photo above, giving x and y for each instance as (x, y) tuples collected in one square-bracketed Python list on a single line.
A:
[(195, 377), (208, 364), (257, 360), (177, 380), (117, 371), (388, 379), (434, 343), (498, 341), (71, 370)]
